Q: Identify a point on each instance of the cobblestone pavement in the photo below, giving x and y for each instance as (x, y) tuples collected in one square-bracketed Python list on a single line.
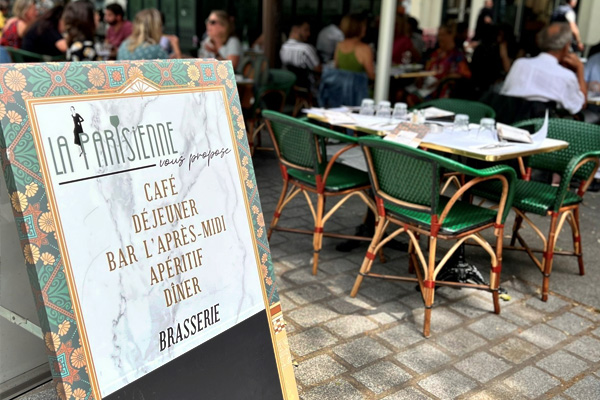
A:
[(371, 346)]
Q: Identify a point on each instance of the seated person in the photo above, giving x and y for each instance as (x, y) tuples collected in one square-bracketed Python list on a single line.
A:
[(327, 39), (144, 42), (44, 37), (299, 56), (556, 74), (352, 54), (403, 50), (118, 28), (220, 42), (447, 62)]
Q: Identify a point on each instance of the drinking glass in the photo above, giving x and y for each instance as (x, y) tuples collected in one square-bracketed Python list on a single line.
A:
[(367, 107), (384, 109), (399, 111), (461, 122), (487, 130)]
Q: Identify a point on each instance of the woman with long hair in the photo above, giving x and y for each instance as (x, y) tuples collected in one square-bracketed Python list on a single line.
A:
[(220, 42), (44, 35), (144, 42), (352, 54), (79, 23), (24, 13)]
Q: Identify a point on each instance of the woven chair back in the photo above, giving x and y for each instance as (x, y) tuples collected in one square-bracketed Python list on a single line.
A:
[(582, 138)]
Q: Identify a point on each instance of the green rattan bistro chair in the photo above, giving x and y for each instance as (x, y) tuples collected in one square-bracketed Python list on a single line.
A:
[(305, 168), (474, 109), (271, 95), (580, 160), (406, 182)]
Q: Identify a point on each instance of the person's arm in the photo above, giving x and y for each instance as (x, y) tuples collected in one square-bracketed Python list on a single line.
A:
[(174, 42), (572, 62), (335, 55), (506, 61), (367, 61), (61, 45)]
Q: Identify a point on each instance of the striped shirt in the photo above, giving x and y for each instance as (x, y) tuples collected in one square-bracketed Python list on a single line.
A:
[(299, 55)]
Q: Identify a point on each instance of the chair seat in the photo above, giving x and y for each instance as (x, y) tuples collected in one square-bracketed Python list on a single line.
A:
[(341, 177), (462, 217), (532, 197)]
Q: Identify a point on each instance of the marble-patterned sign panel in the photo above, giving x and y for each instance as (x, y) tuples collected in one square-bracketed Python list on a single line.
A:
[(140, 223), (158, 241)]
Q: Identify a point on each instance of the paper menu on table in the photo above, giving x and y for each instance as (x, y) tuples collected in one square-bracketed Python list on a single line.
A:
[(407, 138), (434, 112), (514, 134)]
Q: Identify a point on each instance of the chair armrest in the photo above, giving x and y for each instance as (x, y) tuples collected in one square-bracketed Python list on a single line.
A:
[(574, 164)]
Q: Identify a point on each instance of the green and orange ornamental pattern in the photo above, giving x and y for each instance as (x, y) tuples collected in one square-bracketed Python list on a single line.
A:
[(35, 225)]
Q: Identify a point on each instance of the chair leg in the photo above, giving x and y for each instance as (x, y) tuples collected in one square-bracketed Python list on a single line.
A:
[(577, 246), (516, 227), (428, 287), (369, 257), (496, 270), (411, 255), (318, 233), (278, 208), (549, 256)]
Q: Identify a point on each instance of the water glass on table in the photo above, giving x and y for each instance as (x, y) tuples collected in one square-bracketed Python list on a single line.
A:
[(384, 109), (487, 130), (461, 123), (367, 107), (400, 111)]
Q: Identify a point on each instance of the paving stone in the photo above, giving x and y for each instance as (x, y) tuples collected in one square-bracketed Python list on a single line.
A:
[(450, 293), (587, 312), (522, 289), (460, 341), (339, 266), (473, 306), (361, 351), (311, 315), (447, 384), (442, 319), (389, 312), (497, 392), (382, 376), (482, 366), (553, 304), (423, 358), (492, 327), (408, 393), (308, 294), (318, 369), (521, 314), (402, 335), (337, 390), (515, 350), (596, 332), (414, 300), (586, 347), (311, 340), (340, 284), (299, 276), (351, 325), (531, 382), (563, 365), (349, 305), (286, 303), (569, 323), (381, 291), (543, 336), (587, 388)]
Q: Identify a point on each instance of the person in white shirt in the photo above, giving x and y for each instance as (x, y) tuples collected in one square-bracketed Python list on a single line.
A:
[(556, 74), (295, 52), (327, 39)]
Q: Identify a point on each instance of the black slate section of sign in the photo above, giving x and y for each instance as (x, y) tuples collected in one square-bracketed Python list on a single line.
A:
[(237, 364)]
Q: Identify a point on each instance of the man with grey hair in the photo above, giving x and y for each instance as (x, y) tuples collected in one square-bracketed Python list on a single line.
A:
[(556, 74)]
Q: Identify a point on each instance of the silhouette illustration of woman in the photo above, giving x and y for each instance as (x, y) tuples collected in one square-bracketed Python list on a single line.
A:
[(77, 129)]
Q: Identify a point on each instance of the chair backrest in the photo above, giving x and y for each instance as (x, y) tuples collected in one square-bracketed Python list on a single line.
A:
[(22, 56), (254, 66), (582, 138), (511, 109), (474, 109), (279, 79), (402, 175), (339, 87), (294, 142)]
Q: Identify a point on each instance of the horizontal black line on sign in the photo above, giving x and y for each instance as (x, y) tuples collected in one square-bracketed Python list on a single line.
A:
[(110, 173)]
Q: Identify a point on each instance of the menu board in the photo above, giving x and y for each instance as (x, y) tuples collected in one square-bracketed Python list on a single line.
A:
[(141, 226)]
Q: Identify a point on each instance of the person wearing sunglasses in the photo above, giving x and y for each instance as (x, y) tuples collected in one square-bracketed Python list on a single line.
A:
[(220, 42)]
